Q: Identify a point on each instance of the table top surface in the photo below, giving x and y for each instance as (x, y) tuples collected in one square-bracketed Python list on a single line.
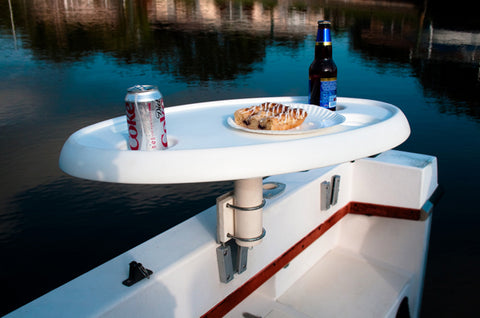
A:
[(205, 146)]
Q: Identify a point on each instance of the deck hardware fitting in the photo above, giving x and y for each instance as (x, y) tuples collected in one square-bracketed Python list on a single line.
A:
[(329, 192), (253, 239), (225, 263), (325, 193), (239, 223), (136, 273), (242, 259), (253, 208), (271, 189), (335, 189), (231, 259)]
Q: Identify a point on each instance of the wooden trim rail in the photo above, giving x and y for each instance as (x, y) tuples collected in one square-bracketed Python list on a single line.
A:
[(383, 210), (232, 300)]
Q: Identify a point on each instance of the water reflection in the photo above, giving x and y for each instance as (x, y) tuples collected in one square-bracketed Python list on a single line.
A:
[(446, 62), (206, 40), (65, 64), (448, 65)]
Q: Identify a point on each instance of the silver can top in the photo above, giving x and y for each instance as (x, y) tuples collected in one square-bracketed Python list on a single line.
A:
[(143, 93), (141, 89)]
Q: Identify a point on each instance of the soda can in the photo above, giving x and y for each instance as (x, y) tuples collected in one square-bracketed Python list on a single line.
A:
[(145, 118)]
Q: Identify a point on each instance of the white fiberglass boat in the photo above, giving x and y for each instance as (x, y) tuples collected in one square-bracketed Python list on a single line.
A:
[(339, 228)]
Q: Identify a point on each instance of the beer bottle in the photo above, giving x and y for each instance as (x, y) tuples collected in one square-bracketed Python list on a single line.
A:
[(322, 74)]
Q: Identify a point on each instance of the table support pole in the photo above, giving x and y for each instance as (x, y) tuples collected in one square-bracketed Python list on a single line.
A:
[(248, 219)]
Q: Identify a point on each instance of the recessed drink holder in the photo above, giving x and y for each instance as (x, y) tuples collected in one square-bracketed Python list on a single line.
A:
[(200, 131)]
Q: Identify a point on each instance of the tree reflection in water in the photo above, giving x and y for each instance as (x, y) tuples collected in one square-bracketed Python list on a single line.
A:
[(194, 45)]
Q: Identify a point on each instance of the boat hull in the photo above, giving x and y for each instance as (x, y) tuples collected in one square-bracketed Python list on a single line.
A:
[(349, 259)]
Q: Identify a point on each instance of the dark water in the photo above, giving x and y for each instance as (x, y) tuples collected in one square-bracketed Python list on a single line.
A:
[(67, 64)]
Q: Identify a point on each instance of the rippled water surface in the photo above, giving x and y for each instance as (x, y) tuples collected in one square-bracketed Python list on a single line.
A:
[(67, 64)]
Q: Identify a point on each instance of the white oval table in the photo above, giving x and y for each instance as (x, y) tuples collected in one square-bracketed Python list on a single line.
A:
[(204, 147)]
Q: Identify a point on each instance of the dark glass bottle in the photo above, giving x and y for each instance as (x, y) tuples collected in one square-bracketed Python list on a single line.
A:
[(322, 74)]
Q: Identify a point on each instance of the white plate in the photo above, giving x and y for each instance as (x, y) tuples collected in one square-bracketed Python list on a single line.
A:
[(318, 118)]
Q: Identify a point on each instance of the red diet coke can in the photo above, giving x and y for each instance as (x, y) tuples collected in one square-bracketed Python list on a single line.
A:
[(145, 118)]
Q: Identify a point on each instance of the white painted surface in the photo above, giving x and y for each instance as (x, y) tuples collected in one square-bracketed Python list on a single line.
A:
[(203, 147), (344, 284), (185, 282)]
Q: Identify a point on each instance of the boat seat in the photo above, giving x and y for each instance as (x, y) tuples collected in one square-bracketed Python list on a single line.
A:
[(341, 284)]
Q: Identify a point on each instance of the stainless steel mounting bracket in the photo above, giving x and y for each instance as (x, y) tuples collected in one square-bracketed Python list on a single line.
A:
[(329, 192), (231, 259), (237, 211)]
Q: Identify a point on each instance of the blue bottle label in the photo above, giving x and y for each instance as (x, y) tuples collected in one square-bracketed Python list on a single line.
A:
[(328, 92)]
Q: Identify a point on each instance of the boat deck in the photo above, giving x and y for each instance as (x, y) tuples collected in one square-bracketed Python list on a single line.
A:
[(341, 284)]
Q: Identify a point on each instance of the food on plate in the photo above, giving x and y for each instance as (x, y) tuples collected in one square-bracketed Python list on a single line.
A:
[(270, 116)]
